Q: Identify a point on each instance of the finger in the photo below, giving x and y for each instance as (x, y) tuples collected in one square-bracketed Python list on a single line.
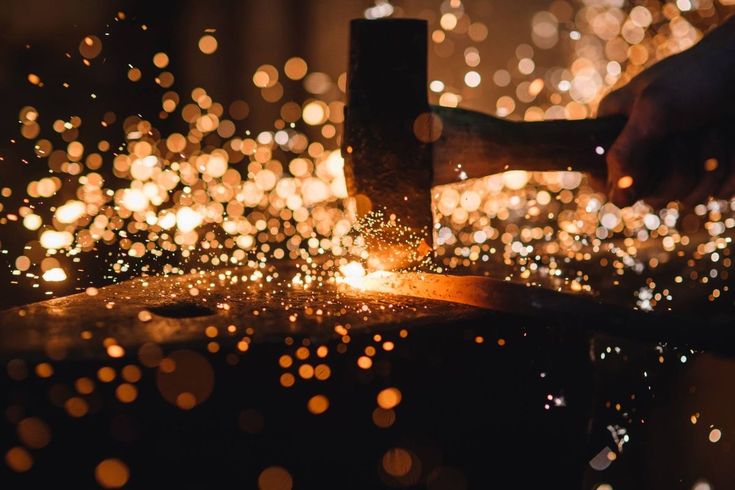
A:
[(726, 165), (621, 175), (629, 165), (626, 167), (727, 189), (708, 184), (713, 158), (727, 186), (686, 163), (671, 187)]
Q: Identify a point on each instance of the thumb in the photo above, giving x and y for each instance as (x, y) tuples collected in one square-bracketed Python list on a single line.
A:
[(621, 169)]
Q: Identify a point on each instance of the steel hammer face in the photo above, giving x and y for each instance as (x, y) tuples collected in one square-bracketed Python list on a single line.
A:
[(388, 168)]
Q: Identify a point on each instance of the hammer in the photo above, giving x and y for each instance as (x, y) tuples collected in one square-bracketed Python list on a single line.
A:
[(396, 146)]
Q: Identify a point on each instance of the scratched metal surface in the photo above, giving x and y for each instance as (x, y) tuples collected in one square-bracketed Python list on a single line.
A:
[(273, 310)]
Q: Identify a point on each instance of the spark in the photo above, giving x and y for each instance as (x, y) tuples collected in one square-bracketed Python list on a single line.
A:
[(55, 274)]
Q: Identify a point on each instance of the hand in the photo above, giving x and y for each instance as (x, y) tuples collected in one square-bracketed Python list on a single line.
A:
[(676, 145)]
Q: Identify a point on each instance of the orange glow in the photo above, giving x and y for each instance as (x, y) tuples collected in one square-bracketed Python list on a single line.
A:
[(397, 462), (322, 372), (625, 182), (126, 393), (318, 404), (306, 371), (76, 407), (275, 478), (106, 374), (19, 459), (44, 370), (384, 418), (208, 44), (389, 398), (34, 433), (186, 400), (364, 362), (112, 473), (115, 351), (287, 380)]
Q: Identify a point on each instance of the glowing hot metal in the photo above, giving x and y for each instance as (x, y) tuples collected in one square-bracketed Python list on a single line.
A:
[(479, 291)]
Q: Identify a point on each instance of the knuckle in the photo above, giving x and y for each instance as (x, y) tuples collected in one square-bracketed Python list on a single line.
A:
[(655, 93), (618, 160), (611, 103), (654, 104)]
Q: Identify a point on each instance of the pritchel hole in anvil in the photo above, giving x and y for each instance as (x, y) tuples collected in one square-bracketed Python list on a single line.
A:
[(181, 310)]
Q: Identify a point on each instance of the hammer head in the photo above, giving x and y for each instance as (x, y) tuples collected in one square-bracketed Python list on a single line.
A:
[(388, 168)]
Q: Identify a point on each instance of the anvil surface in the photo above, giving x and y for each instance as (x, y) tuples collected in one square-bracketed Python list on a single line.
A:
[(264, 305), (273, 309)]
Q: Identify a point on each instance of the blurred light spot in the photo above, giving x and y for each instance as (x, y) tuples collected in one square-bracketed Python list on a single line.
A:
[(112, 473)]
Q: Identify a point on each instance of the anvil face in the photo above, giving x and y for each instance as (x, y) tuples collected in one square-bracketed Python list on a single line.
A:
[(260, 305)]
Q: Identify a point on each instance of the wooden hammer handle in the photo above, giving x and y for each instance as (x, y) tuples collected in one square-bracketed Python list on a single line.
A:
[(484, 145)]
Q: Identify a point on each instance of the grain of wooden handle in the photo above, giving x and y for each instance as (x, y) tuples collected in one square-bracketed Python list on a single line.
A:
[(485, 145)]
